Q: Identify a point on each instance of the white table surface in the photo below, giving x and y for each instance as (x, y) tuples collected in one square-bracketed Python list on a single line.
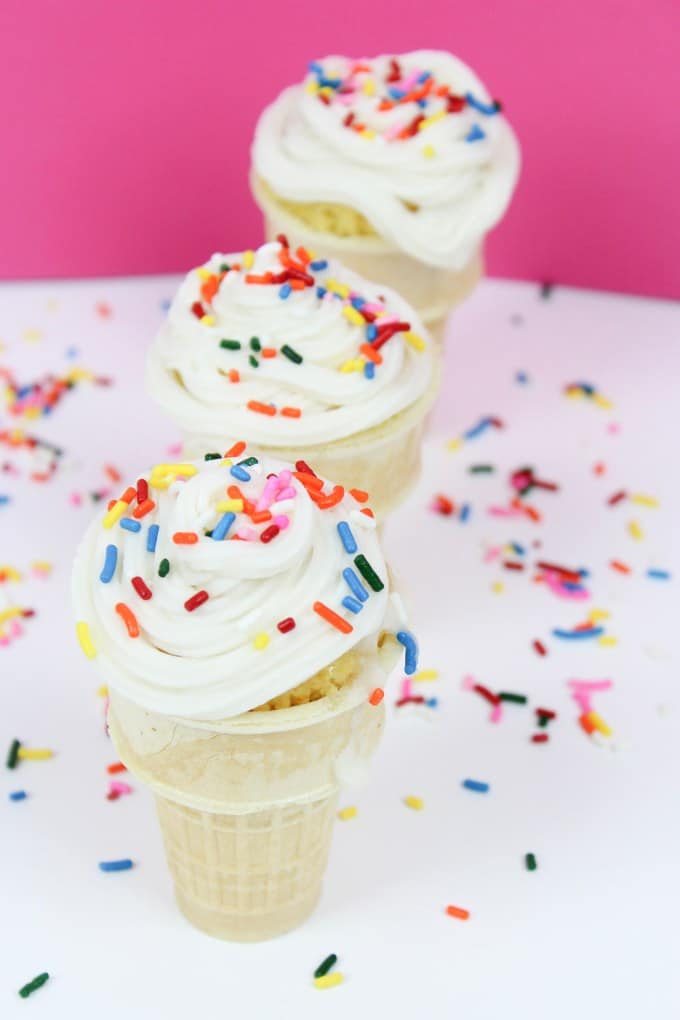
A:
[(593, 932)]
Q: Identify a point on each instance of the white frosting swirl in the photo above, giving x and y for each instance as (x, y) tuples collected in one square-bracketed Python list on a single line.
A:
[(433, 194), (205, 663), (207, 387)]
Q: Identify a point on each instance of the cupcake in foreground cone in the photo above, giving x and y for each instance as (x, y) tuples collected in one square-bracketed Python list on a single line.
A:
[(398, 166), (307, 360), (241, 612)]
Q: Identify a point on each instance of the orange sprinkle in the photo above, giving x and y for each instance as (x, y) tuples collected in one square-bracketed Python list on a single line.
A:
[(325, 501), (233, 492), (234, 375), (255, 278), (236, 450), (268, 352), (460, 912), (303, 255), (587, 723), (112, 472), (255, 405), (291, 412), (371, 354), (359, 495), (209, 288), (622, 568), (111, 503), (143, 509), (185, 538), (330, 617), (129, 494), (128, 618), (297, 284), (376, 696), (367, 510), (385, 104), (309, 481), (117, 766), (260, 516)]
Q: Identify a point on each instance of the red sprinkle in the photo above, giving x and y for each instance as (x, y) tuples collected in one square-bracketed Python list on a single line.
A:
[(512, 565), (185, 538), (411, 700), (198, 309), (540, 738), (492, 698), (142, 588), (286, 625), (617, 497), (376, 696), (443, 505), (196, 600), (304, 468), (539, 647), (142, 490), (269, 533), (547, 713)]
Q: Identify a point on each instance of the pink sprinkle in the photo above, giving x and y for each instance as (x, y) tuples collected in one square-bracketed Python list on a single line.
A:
[(468, 682), (552, 579), (175, 449), (496, 713), (247, 534), (75, 499), (373, 308), (394, 130), (282, 521), (613, 428), (118, 788), (504, 511), (287, 493), (591, 685), (582, 698), (493, 553), (285, 477), (406, 689)]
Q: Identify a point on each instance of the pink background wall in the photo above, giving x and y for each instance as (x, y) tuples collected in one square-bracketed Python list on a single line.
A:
[(126, 126)]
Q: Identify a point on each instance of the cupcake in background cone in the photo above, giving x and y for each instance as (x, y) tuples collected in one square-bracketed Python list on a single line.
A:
[(242, 615), (307, 360), (396, 166)]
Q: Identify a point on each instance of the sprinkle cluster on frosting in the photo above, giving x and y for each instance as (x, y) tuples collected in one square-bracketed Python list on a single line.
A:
[(160, 556), (387, 86), (290, 345)]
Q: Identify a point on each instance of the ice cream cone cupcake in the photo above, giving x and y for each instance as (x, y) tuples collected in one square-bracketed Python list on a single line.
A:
[(396, 166), (242, 615), (307, 360)]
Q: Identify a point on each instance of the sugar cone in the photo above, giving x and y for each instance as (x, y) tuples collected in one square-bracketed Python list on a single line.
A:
[(432, 291), (247, 806)]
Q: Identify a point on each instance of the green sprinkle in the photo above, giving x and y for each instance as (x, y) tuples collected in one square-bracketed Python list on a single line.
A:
[(225, 267), (543, 721), (164, 568), (253, 361), (481, 469), (33, 985), (248, 462), (530, 861), (516, 699), (325, 966), (255, 344), (13, 754), (368, 573), (212, 456), (231, 345), (291, 354)]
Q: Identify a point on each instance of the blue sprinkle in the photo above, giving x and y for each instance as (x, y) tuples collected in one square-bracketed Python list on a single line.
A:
[(519, 549), (346, 537), (355, 584), (477, 429), (405, 638), (4, 500), (123, 865), (371, 331), (129, 524), (18, 795), (109, 568), (222, 526), (475, 134), (320, 291), (352, 604), (318, 264), (369, 370), (486, 108), (284, 290), (659, 575), (72, 352), (315, 67), (423, 76), (583, 572), (476, 785), (395, 93), (357, 302), (464, 513), (572, 585), (152, 537), (165, 304), (522, 378), (578, 635), (432, 702), (422, 103), (238, 472), (333, 83)]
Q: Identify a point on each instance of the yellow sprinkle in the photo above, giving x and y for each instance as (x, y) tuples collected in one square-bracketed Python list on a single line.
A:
[(32, 412), (607, 640), (354, 316), (329, 980), (203, 273), (425, 674), (417, 803), (8, 614), (604, 402), (347, 813), (429, 151), (261, 641), (102, 691), (35, 753), (596, 615), (635, 531), (115, 513), (42, 565), (31, 335), (207, 320), (10, 574), (367, 133), (369, 87), (248, 259), (326, 90), (431, 120), (574, 394), (414, 340), (353, 365), (337, 288), (226, 506), (162, 482), (454, 444), (83, 635), (597, 721), (497, 587), (80, 375), (312, 88), (643, 500), (159, 470)]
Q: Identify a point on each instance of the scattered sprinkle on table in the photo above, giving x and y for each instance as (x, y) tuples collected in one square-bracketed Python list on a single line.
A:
[(326, 965), (530, 862), (124, 864), (329, 980), (34, 985), (460, 912), (18, 795), (415, 803), (346, 813), (475, 785)]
